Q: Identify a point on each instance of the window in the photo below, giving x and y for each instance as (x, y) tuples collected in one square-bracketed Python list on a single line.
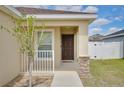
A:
[(45, 44), (46, 41)]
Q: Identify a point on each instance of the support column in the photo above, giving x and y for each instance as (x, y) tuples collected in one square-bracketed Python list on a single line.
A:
[(84, 66), (82, 49)]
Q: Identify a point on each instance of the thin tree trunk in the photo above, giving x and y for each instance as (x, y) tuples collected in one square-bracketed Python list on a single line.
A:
[(30, 70)]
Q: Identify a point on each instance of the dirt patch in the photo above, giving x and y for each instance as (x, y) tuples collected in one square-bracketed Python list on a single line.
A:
[(37, 81)]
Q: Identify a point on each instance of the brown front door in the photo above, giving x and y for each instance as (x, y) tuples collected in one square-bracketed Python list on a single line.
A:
[(67, 47)]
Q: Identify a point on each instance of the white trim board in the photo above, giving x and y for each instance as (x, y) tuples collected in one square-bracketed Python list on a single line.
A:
[(67, 61), (65, 16), (11, 11)]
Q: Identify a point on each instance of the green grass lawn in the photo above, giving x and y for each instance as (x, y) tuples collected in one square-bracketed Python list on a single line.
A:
[(106, 73)]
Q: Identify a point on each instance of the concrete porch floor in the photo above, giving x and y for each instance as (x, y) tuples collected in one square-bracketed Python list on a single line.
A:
[(69, 66)]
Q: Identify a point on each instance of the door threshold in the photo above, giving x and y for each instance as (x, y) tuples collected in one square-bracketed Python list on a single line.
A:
[(67, 61)]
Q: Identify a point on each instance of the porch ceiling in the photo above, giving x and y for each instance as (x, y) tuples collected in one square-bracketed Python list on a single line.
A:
[(69, 29)]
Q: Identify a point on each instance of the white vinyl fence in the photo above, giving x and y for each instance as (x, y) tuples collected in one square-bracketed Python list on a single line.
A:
[(106, 50), (43, 62)]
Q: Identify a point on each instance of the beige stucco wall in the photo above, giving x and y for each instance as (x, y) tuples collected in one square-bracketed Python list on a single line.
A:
[(82, 34), (57, 32), (9, 53), (82, 39), (57, 46), (61, 22)]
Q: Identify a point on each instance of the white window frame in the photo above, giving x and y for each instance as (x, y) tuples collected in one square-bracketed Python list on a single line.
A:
[(45, 30)]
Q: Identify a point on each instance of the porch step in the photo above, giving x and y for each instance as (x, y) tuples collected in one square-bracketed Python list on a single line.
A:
[(70, 64), (68, 67), (66, 79)]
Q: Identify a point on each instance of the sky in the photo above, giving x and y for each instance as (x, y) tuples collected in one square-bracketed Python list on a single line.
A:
[(110, 18)]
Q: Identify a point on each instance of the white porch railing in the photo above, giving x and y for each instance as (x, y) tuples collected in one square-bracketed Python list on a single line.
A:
[(43, 61)]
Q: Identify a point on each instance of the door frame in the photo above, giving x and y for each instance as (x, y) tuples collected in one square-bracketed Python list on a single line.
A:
[(73, 48)]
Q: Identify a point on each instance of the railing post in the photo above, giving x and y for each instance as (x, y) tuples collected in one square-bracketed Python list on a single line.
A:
[(43, 62), (53, 60)]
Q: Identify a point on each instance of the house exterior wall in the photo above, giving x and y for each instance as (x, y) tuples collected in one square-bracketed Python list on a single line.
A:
[(10, 56), (58, 31), (82, 34), (82, 49), (83, 39), (57, 46), (9, 52)]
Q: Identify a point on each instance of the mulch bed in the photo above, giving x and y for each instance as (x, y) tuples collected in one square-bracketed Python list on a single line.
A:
[(37, 81)]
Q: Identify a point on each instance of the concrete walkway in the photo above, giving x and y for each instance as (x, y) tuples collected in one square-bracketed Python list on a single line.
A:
[(66, 79)]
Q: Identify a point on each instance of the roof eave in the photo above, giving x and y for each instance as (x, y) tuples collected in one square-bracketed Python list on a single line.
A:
[(106, 37), (90, 17), (10, 11)]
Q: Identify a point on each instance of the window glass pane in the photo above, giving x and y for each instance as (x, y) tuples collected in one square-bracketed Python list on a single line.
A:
[(46, 41)]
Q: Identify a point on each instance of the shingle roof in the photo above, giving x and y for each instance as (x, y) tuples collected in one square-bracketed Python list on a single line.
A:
[(96, 38), (118, 33), (25, 10)]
